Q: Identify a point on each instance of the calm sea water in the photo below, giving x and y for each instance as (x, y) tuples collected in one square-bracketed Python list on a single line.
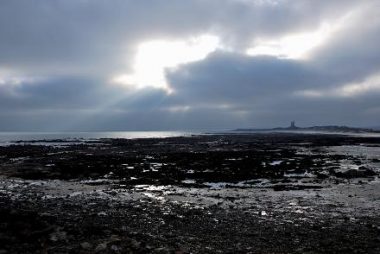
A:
[(7, 138)]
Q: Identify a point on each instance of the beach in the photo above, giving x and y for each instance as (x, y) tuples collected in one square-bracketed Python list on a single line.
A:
[(220, 193)]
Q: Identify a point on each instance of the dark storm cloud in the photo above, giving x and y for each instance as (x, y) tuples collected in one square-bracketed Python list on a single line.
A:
[(77, 93), (68, 50), (228, 77)]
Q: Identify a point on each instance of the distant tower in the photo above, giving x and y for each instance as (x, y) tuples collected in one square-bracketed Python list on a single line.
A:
[(293, 125)]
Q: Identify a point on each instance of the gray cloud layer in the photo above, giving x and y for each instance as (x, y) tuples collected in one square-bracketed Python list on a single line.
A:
[(56, 58)]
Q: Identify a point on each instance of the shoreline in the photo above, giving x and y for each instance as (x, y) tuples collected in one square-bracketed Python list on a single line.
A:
[(265, 193)]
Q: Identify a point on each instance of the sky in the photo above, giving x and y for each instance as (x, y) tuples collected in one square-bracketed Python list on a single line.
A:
[(105, 65)]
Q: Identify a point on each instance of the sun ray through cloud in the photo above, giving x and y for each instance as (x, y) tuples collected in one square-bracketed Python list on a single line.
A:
[(154, 57)]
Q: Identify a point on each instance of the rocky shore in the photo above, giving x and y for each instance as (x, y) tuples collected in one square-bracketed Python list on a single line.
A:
[(257, 193)]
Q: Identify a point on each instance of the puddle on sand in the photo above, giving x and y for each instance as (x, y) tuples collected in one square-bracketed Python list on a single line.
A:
[(276, 162), (188, 181), (300, 175)]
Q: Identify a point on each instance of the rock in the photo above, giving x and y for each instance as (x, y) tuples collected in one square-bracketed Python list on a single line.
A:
[(135, 244), (102, 214), (58, 236), (322, 175), (86, 245), (162, 250), (115, 248), (101, 247), (352, 173), (114, 238)]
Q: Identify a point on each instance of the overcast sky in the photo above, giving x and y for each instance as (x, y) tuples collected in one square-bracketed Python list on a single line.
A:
[(91, 65)]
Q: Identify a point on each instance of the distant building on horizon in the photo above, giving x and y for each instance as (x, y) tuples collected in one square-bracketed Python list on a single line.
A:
[(293, 125)]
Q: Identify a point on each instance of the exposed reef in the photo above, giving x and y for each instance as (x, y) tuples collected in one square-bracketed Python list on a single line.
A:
[(261, 193)]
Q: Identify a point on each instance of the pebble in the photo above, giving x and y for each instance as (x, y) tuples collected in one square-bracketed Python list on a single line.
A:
[(101, 247), (86, 245)]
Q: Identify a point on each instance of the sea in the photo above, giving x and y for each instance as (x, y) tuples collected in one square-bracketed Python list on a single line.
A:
[(64, 138), (9, 138)]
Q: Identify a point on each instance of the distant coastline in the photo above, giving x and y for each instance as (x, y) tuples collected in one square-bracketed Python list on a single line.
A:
[(322, 128)]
